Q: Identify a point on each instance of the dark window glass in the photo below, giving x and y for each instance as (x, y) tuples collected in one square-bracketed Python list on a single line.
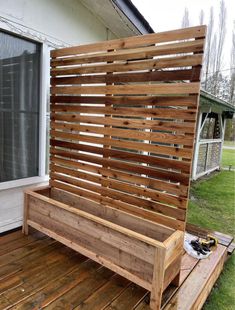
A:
[(211, 128), (19, 107)]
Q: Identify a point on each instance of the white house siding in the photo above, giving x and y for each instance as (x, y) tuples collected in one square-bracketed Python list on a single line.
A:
[(55, 23)]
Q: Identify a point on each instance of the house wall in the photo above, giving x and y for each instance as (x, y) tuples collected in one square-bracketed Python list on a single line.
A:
[(64, 21), (54, 23)]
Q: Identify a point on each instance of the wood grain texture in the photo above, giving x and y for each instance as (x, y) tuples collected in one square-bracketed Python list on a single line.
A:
[(123, 118), (70, 280), (118, 130), (137, 41), (158, 64), (137, 53)]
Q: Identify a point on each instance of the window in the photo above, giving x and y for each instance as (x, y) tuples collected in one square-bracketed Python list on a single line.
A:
[(19, 107), (211, 128)]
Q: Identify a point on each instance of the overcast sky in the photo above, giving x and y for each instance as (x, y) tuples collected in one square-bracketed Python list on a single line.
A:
[(167, 15)]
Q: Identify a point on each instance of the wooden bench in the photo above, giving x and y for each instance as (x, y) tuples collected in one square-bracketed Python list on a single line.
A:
[(123, 116)]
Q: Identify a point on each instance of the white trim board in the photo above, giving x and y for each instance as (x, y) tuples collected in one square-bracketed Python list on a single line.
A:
[(23, 182), (11, 224)]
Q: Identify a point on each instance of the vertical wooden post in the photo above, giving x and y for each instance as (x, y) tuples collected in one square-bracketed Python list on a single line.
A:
[(104, 183), (223, 128), (158, 279), (25, 227), (176, 280), (196, 146)]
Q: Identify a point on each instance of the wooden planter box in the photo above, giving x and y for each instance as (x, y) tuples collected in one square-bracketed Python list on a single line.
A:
[(121, 151), (144, 252)]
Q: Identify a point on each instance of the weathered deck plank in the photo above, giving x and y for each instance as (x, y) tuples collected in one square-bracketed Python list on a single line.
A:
[(40, 273)]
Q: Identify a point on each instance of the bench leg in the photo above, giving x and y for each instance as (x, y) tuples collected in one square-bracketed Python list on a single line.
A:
[(158, 279), (176, 280), (25, 228)]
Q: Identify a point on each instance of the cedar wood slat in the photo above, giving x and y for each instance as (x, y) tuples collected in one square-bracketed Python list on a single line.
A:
[(159, 162), (121, 164), (114, 215), (138, 146), (165, 101), (160, 89), (138, 53), (136, 41), (120, 205), (124, 133), (141, 157), (113, 171), (152, 76), (141, 112), (128, 188), (161, 125), (180, 61)]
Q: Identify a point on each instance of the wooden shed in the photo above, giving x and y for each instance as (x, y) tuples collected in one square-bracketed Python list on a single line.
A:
[(211, 123)]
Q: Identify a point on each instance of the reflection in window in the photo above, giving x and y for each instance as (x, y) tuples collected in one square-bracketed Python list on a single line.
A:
[(19, 107), (211, 128)]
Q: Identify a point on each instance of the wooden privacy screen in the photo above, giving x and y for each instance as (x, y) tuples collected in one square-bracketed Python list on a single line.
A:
[(123, 116)]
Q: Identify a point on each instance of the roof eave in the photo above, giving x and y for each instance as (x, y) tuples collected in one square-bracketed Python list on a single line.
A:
[(133, 15), (217, 101)]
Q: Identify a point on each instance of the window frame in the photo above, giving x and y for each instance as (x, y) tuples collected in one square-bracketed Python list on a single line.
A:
[(203, 122), (44, 79)]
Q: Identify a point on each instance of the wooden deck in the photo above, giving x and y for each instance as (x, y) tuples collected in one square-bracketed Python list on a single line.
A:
[(37, 272)]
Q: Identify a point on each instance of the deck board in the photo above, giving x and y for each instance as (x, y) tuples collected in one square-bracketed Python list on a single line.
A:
[(37, 272)]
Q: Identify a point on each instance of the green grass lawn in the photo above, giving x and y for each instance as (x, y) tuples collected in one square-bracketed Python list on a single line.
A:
[(228, 158), (212, 206)]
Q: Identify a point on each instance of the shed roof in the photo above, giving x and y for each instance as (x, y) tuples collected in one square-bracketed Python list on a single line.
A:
[(211, 100)]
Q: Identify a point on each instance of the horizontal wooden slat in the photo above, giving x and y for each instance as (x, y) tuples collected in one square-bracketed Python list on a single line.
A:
[(124, 133), (137, 159), (184, 166), (157, 89), (157, 76), (99, 221), (161, 125), (164, 113), (114, 194), (156, 64), (147, 228), (96, 230), (149, 39), (127, 145), (119, 204), (123, 171), (159, 101), (138, 53), (125, 187), (123, 121)]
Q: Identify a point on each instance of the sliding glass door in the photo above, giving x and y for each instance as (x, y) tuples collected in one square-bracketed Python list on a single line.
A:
[(19, 107)]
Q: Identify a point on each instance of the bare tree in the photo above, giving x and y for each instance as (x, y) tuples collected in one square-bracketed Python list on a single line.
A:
[(201, 17), (221, 37), (185, 20), (207, 60), (232, 75), (213, 55)]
